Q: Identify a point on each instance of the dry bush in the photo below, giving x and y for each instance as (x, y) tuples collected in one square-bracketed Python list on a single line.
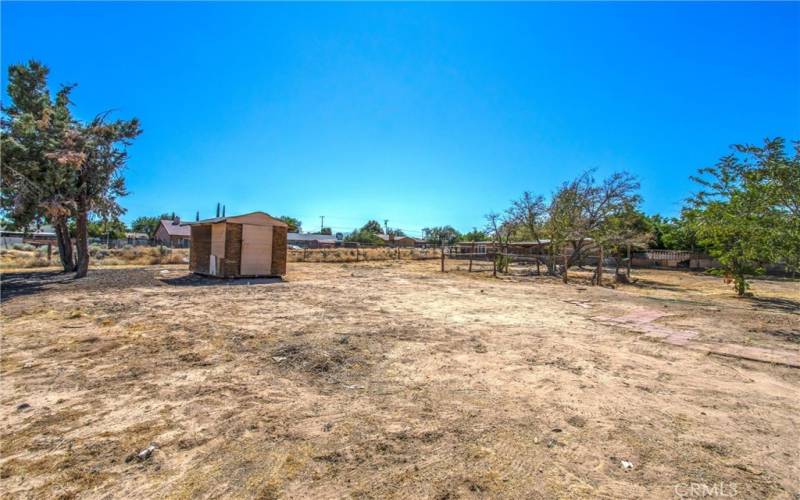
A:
[(23, 259), (363, 254), (99, 256)]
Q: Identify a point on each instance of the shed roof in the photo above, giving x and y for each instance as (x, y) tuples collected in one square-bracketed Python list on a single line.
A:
[(175, 228), (243, 218)]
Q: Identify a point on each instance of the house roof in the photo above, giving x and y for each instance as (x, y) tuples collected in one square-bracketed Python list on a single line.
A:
[(175, 228), (511, 243), (388, 237), (140, 236), (265, 217), (310, 237)]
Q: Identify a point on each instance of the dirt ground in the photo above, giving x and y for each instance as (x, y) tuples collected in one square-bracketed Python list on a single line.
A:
[(393, 380)]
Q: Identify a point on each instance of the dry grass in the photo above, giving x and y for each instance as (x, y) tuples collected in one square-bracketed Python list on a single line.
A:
[(100, 256), (341, 255), (390, 380), (28, 259)]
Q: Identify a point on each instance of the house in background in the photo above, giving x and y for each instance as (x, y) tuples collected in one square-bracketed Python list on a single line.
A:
[(400, 241), (44, 234), (134, 238), (309, 240), (172, 234)]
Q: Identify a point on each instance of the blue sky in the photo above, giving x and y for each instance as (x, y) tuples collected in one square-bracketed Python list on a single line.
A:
[(423, 114)]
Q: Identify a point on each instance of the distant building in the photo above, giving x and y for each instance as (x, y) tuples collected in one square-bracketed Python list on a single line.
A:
[(32, 235), (171, 233), (400, 241), (310, 240), (134, 238)]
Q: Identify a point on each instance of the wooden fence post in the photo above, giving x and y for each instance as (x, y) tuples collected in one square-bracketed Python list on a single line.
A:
[(471, 252), (442, 256), (357, 245), (49, 253), (566, 261)]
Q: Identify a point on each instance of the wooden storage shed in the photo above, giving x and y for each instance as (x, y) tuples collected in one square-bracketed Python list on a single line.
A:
[(238, 246)]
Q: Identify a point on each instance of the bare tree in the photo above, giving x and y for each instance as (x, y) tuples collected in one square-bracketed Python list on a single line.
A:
[(500, 227), (97, 152), (529, 212), (582, 208)]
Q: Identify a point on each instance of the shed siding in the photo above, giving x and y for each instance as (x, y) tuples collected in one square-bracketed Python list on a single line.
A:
[(200, 250), (233, 250), (218, 239), (279, 234)]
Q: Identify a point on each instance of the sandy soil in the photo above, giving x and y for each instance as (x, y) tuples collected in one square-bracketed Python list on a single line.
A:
[(390, 379)]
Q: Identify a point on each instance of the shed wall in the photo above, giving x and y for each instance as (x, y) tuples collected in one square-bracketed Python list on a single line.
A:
[(200, 250), (279, 235), (230, 235), (233, 251)]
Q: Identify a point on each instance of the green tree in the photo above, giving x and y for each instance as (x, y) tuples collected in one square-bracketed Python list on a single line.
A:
[(295, 226), (147, 225), (474, 235), (112, 229), (373, 227), (364, 236), (746, 210), (35, 185), (437, 234), (97, 151), (326, 230), (673, 233), (624, 231)]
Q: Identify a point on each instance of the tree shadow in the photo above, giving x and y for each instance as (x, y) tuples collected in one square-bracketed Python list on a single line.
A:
[(199, 280), (777, 304), (655, 285), (28, 283)]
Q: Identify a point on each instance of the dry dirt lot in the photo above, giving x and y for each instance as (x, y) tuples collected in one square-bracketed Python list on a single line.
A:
[(390, 379)]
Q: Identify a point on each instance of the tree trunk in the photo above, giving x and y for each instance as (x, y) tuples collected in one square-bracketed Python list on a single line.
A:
[(82, 237), (629, 260), (64, 245), (600, 267), (566, 266)]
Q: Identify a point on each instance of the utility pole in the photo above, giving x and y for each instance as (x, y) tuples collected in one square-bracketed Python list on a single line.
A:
[(321, 223), (385, 226)]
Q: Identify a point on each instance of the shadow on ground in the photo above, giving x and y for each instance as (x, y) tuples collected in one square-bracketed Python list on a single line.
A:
[(28, 283), (779, 304), (197, 280)]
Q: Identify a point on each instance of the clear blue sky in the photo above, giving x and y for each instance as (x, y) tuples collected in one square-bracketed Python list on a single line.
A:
[(423, 114)]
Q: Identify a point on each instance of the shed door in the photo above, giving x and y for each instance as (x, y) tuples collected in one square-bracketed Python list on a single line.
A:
[(256, 250)]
